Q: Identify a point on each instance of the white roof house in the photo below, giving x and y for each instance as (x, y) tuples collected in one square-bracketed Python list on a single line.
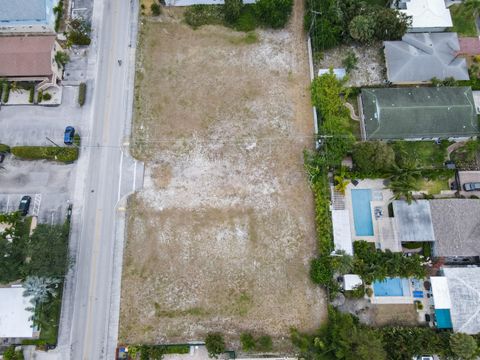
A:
[(15, 319), (459, 292), (351, 282), (427, 15)]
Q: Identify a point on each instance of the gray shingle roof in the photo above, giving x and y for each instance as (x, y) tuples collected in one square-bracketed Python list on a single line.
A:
[(420, 57), (412, 113), (414, 221), (456, 223)]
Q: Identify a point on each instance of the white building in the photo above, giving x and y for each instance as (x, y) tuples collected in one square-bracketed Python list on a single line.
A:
[(427, 15), (15, 319)]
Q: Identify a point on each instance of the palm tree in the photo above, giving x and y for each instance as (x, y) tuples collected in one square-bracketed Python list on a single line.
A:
[(40, 288)]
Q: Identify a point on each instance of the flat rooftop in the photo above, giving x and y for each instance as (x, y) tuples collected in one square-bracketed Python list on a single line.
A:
[(15, 319), (414, 221)]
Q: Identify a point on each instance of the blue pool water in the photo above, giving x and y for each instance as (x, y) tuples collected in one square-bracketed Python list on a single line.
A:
[(362, 213), (444, 320), (391, 287)]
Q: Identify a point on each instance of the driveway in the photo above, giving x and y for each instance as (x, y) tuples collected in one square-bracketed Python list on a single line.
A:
[(467, 177), (32, 125), (47, 183)]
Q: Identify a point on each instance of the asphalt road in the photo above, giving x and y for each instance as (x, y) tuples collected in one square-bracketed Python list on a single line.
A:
[(106, 174)]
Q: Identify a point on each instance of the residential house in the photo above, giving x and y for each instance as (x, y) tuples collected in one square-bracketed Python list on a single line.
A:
[(418, 58), (15, 320), (456, 223), (426, 15), (456, 299), (30, 58), (27, 16), (418, 113)]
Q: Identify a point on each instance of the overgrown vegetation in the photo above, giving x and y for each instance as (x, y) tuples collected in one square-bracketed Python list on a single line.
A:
[(343, 337), (140, 352), (269, 13), (463, 20), (61, 58), (4, 148), (5, 91), (466, 157), (373, 264), (215, 344), (56, 153), (78, 32), (332, 22)]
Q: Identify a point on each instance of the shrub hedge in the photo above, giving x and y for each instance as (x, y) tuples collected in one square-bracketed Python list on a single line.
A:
[(60, 154), (4, 148), (31, 94), (82, 92), (5, 92)]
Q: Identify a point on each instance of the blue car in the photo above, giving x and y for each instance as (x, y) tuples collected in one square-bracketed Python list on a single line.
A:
[(69, 134)]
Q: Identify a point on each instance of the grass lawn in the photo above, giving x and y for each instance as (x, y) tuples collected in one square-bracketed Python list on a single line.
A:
[(463, 21), (421, 154), (433, 186)]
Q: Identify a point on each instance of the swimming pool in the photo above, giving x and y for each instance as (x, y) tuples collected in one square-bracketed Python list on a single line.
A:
[(362, 213), (444, 320), (391, 287)]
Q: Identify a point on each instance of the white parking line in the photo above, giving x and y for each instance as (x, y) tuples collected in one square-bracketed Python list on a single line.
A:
[(121, 175), (8, 202)]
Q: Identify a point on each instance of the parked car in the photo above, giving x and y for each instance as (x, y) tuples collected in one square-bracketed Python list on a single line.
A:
[(24, 205), (472, 186), (69, 135)]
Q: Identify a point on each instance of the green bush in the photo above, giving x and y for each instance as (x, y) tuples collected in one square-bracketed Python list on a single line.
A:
[(40, 96), (248, 20), (5, 92), (198, 15), (215, 344), (372, 158), (274, 13), (79, 33), (61, 58), (369, 291), (31, 94), (60, 154), (156, 9), (58, 11), (76, 140), (248, 342), (232, 10), (4, 148), (47, 96), (82, 92), (264, 343)]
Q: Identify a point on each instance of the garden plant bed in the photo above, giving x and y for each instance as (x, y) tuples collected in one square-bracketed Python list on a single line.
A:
[(221, 237)]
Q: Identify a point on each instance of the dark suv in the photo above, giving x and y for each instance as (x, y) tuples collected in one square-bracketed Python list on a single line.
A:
[(24, 205), (69, 135)]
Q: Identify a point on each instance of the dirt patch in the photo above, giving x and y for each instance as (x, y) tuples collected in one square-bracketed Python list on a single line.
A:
[(221, 237), (370, 67), (397, 314)]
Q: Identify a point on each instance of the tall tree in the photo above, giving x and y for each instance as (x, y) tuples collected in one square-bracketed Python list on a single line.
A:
[(464, 346)]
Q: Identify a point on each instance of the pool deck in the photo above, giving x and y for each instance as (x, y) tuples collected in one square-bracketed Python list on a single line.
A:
[(384, 234)]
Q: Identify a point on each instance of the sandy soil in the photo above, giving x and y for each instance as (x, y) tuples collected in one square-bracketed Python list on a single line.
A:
[(370, 67), (221, 237)]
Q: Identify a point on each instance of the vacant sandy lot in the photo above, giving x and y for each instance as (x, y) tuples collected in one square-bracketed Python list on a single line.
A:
[(221, 237)]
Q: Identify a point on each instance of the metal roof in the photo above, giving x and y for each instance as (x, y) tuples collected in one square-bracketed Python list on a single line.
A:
[(414, 221), (23, 10), (15, 320), (420, 112), (419, 57)]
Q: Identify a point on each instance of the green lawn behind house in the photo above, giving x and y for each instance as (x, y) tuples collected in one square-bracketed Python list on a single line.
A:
[(463, 20)]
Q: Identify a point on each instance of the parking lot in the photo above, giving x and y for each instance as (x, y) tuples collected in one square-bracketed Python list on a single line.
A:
[(34, 125), (48, 184)]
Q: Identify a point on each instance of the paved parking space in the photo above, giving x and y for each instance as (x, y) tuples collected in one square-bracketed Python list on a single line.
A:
[(49, 184), (32, 125), (467, 177)]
